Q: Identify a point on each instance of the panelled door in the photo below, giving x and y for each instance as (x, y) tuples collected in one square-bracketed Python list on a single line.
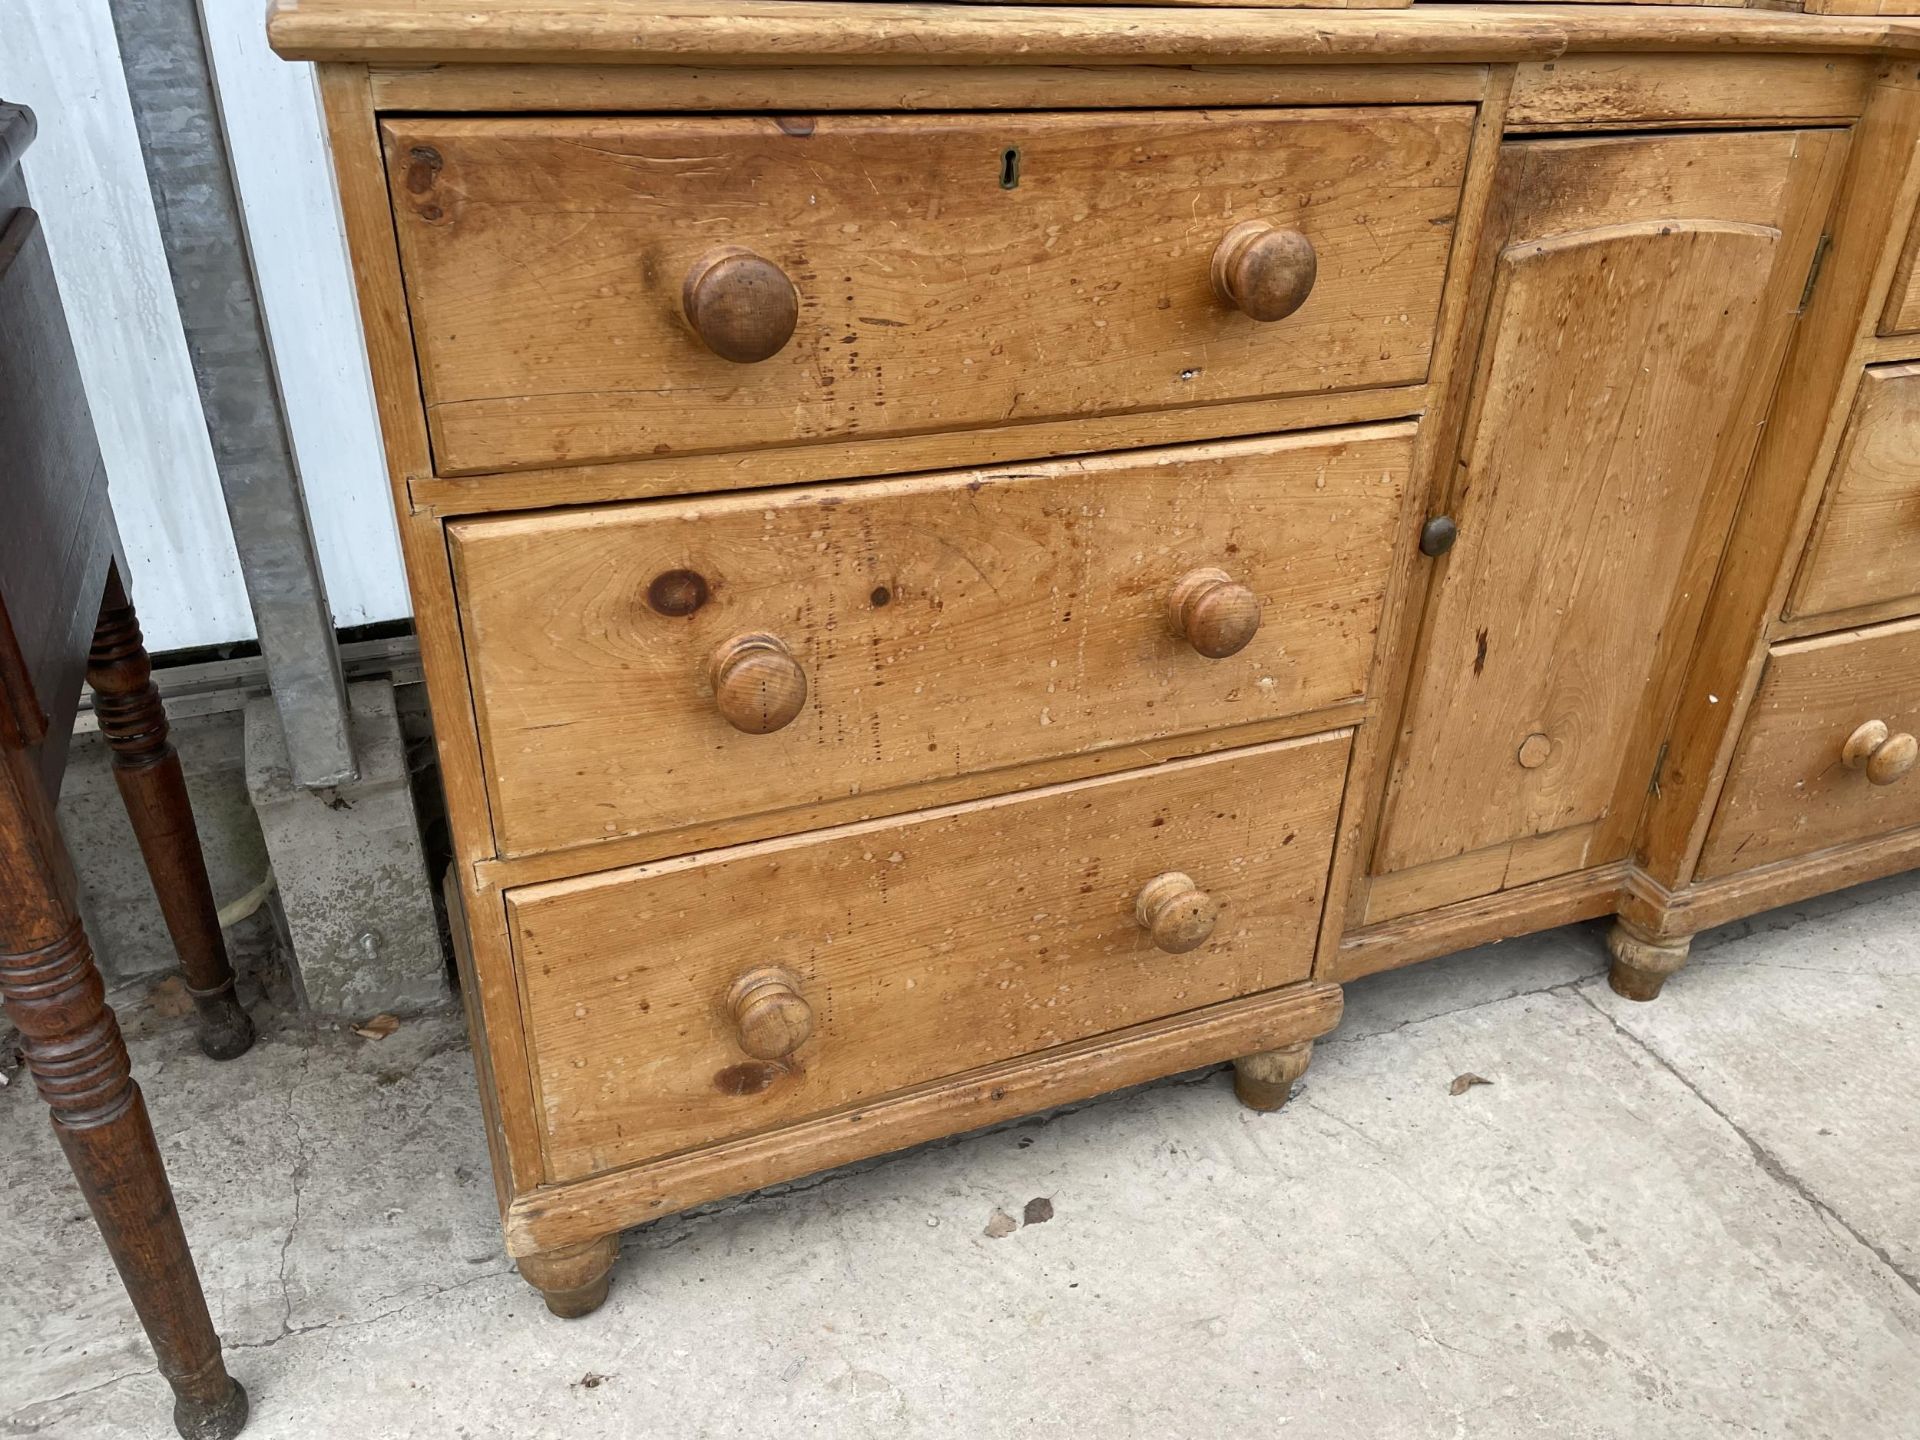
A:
[(1640, 291)]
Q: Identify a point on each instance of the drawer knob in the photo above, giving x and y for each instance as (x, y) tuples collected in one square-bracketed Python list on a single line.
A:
[(1877, 750), (1176, 912), (1265, 272), (772, 1017), (757, 684), (1214, 613), (741, 306)]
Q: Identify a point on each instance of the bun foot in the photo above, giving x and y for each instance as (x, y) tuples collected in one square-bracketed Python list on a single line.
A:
[(573, 1280), (1264, 1081), (225, 1029), (219, 1419), (1642, 964)]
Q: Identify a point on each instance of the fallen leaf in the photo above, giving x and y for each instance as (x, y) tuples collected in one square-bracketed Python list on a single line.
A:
[(1000, 1225), (169, 999), (1039, 1210), (378, 1028), (1463, 1083)]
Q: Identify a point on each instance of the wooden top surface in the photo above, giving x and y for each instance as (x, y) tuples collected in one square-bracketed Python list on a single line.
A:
[(775, 32)]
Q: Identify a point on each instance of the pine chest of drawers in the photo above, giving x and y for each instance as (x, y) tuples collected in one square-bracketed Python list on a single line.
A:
[(969, 556)]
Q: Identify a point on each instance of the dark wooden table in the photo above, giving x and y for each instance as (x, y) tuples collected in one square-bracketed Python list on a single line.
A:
[(65, 616)]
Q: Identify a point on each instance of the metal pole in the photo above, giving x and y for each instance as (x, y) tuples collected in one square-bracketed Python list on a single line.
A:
[(163, 51)]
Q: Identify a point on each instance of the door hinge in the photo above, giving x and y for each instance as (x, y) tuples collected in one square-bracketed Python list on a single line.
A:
[(1813, 271), (1659, 764)]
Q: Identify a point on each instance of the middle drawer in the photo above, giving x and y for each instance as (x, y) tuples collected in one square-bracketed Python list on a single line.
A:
[(900, 631)]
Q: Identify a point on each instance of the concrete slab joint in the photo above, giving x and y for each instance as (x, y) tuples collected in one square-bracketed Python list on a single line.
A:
[(349, 867)]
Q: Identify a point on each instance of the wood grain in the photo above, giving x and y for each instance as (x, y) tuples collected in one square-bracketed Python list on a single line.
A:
[(946, 624), (945, 790), (1616, 448), (1802, 433), (1903, 303), (863, 459), (1862, 7), (563, 1214), (1789, 792), (1590, 91), (1662, 912), (545, 276), (1479, 872), (153, 787), (801, 88), (925, 946), (1699, 29), (1865, 548), (57, 537), (459, 939), (1463, 924), (1463, 304), (790, 32)]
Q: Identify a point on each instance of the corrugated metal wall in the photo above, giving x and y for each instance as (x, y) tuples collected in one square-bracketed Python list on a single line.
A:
[(89, 184)]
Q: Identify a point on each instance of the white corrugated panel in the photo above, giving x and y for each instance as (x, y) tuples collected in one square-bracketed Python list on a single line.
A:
[(280, 162), (90, 187)]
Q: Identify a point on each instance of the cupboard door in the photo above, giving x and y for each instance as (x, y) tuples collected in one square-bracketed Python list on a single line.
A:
[(1641, 290)]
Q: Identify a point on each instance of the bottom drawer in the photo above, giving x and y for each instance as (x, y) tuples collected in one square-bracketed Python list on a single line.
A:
[(1797, 786), (679, 1003)]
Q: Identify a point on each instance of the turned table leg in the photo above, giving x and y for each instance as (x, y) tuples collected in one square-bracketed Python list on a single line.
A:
[(147, 769), (1264, 1081), (573, 1280), (54, 994), (1641, 964)]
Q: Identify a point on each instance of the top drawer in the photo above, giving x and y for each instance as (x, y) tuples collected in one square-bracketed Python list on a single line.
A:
[(946, 271)]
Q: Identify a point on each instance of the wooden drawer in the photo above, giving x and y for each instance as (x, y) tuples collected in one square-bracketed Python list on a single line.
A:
[(1857, 7), (944, 625), (951, 271), (919, 947), (1865, 548), (1790, 791), (1903, 303)]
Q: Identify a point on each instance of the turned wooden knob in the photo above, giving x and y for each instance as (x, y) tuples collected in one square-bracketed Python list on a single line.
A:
[(1214, 613), (741, 306), (770, 1015), (1263, 271), (757, 684), (1176, 912), (1876, 749)]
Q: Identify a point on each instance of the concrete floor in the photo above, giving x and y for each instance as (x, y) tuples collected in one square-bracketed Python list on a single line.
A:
[(1699, 1217)]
